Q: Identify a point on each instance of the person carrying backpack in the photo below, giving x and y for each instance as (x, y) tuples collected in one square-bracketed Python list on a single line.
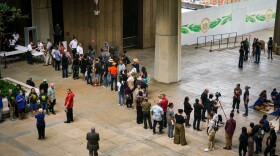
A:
[(211, 131), (258, 136)]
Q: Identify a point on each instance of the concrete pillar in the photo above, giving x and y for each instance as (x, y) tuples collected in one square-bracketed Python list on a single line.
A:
[(168, 41), (42, 19), (277, 25)]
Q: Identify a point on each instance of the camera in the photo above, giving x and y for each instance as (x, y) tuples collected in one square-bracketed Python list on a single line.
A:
[(218, 94)]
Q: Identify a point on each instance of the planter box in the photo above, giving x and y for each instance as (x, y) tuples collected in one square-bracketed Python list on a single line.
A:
[(27, 88)]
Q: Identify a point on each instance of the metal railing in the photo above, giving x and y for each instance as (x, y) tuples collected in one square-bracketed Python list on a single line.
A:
[(210, 38), (129, 42)]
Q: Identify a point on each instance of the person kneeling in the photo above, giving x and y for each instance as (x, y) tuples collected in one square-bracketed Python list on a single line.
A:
[(260, 104)]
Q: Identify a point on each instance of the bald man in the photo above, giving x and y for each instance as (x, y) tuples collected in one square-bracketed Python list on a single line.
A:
[(51, 97), (92, 144)]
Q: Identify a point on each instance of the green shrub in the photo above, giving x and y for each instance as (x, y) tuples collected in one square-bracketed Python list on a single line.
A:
[(5, 86)]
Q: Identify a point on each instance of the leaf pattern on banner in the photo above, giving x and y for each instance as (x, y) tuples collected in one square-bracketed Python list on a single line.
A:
[(195, 28), (258, 17), (215, 23), (250, 19), (184, 30)]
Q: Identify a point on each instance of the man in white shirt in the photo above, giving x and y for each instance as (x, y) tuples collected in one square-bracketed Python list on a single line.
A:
[(48, 58), (12, 44), (157, 113), (80, 50), (73, 46), (51, 97), (28, 53), (16, 37), (121, 68), (211, 132), (40, 46)]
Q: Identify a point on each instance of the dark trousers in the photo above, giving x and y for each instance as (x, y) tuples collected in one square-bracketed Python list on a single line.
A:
[(269, 53), (74, 52), (91, 152), (41, 131), (258, 55), (236, 103), (241, 59), (139, 118), (56, 39), (187, 123), (160, 126), (16, 111), (114, 79), (196, 122), (147, 116), (57, 65), (69, 114), (246, 108), (258, 142), (29, 57), (267, 150), (244, 149), (164, 120), (64, 71), (129, 103), (51, 106), (203, 112), (75, 71)]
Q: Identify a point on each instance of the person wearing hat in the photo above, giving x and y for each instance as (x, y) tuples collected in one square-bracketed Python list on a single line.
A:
[(246, 100), (44, 86), (179, 135), (69, 102), (269, 47), (136, 65), (113, 70), (40, 124), (92, 144)]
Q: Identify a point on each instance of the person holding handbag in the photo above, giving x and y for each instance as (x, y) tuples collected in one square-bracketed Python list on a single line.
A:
[(187, 109)]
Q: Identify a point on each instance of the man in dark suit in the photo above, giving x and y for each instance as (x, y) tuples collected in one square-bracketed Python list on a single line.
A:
[(92, 144)]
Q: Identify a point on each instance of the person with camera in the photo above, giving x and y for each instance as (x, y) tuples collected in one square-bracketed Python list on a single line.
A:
[(229, 131), (211, 131), (40, 116)]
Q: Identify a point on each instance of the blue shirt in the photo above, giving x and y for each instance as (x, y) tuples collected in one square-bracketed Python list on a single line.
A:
[(57, 55), (1, 102), (40, 118), (266, 125), (20, 104), (259, 102)]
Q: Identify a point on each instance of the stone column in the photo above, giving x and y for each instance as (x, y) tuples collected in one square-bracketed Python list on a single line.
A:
[(277, 24), (168, 41), (42, 19)]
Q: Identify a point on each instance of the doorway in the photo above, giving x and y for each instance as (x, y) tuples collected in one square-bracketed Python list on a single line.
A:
[(57, 16), (130, 23)]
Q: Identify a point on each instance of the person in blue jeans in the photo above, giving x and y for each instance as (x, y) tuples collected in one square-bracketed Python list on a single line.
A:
[(246, 100), (44, 101), (121, 87), (258, 51), (89, 74), (105, 75)]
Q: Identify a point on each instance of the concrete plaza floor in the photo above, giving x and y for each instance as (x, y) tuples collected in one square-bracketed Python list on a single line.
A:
[(120, 135)]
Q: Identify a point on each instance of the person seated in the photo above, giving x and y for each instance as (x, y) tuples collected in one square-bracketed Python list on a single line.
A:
[(260, 104), (277, 102), (30, 82), (273, 94), (264, 96)]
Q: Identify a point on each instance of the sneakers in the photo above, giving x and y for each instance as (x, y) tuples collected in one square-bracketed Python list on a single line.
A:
[(119, 104), (206, 150)]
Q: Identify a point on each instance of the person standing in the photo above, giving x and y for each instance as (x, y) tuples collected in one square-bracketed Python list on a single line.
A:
[(44, 86), (269, 46), (164, 104), (40, 124), (69, 102), (97, 72), (179, 135), (138, 101), (246, 100), (48, 52), (64, 63), (236, 98), (211, 133), (11, 104), (57, 58), (1, 107), (29, 53), (243, 142), (251, 141), (270, 142), (80, 50), (121, 88), (258, 136), (76, 68), (229, 131), (92, 144), (187, 109), (157, 113), (146, 107), (44, 100), (258, 51), (20, 101), (241, 57), (51, 98), (113, 70), (33, 101), (197, 115), (245, 44), (73, 46), (170, 120), (204, 100), (57, 31)]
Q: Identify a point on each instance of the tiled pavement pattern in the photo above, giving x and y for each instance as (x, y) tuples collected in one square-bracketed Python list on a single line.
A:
[(120, 135)]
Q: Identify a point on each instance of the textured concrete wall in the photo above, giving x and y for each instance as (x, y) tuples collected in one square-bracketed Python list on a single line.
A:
[(42, 18), (80, 21), (277, 25)]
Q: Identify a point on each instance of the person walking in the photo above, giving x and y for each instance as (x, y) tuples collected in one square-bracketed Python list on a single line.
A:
[(204, 99), (236, 98), (146, 107), (241, 57), (69, 102), (246, 100), (211, 133), (51, 98), (92, 142), (157, 113), (40, 124), (269, 47), (44, 101), (170, 120), (179, 135), (197, 115), (243, 142), (187, 109), (270, 142), (229, 131)]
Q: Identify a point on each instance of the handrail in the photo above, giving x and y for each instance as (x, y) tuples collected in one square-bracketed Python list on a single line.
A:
[(213, 37)]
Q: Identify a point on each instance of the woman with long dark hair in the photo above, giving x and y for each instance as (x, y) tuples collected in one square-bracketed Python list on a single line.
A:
[(187, 109)]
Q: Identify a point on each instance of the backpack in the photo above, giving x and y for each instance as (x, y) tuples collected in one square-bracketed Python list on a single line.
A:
[(122, 87), (216, 127)]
